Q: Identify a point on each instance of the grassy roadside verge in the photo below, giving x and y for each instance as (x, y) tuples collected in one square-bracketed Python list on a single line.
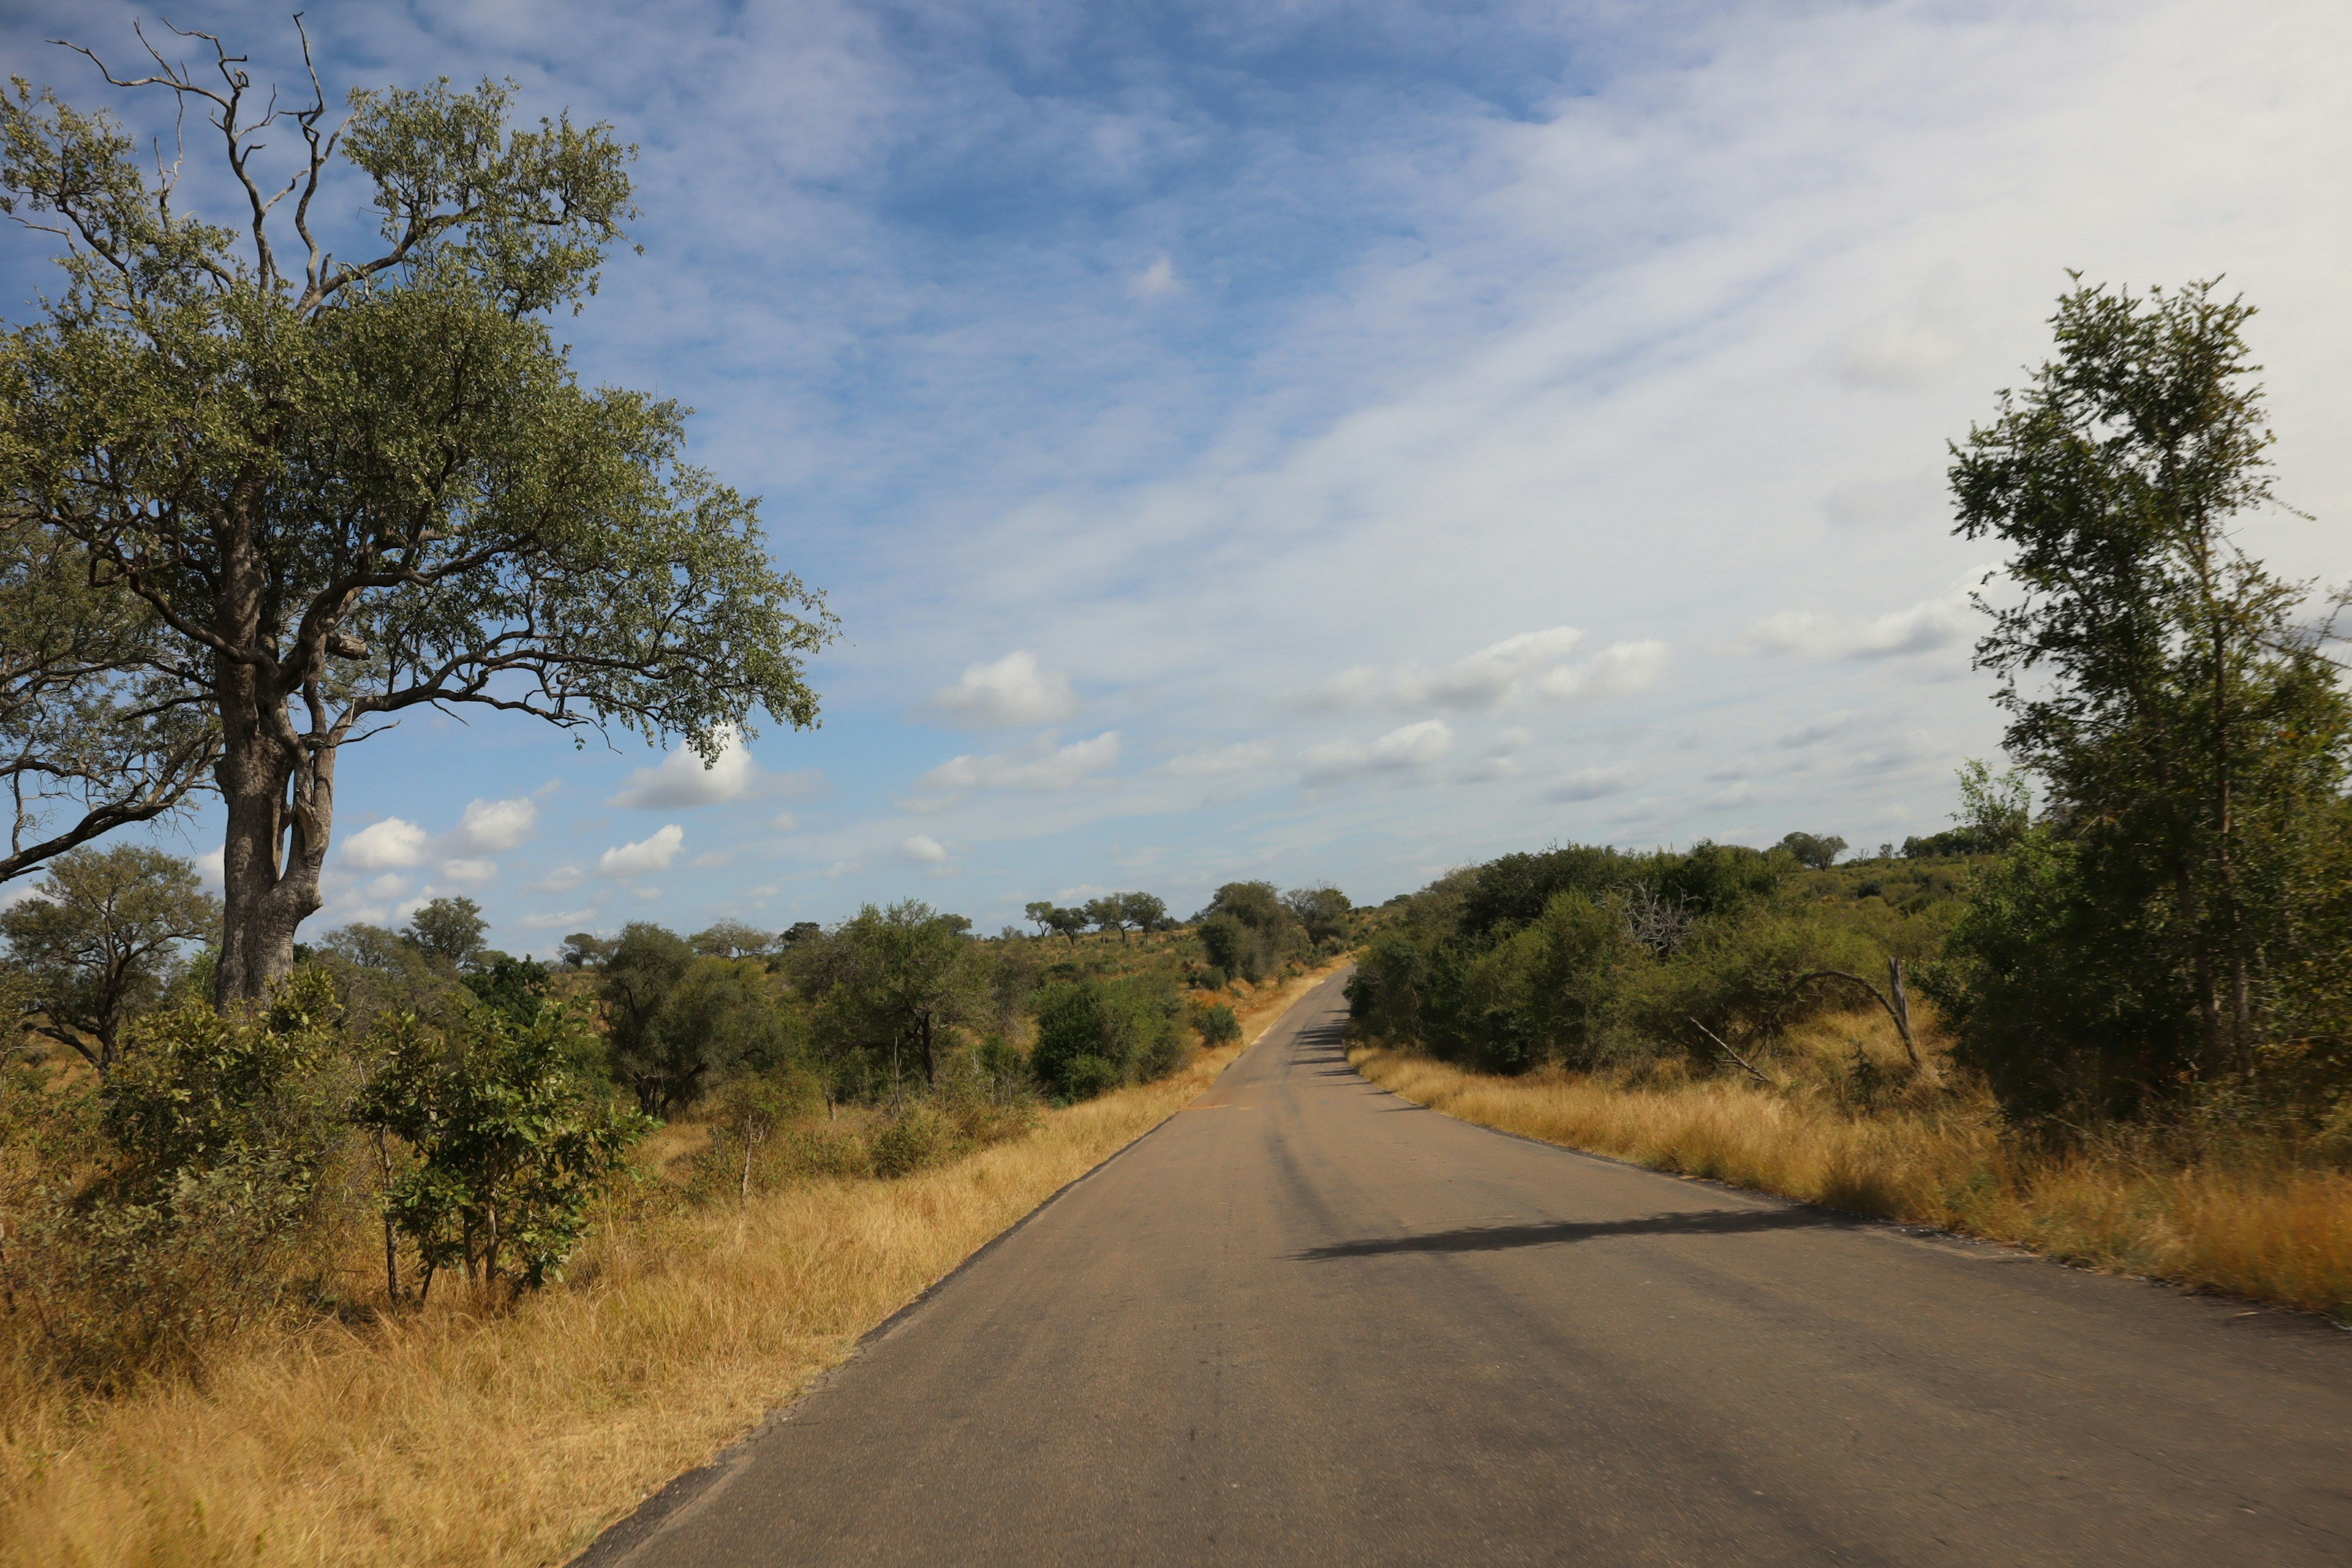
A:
[(454, 1436), (2250, 1216)]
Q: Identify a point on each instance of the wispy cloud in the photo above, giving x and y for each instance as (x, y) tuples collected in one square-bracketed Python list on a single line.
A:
[(1923, 627), (1040, 765), (1403, 753), (1493, 677)]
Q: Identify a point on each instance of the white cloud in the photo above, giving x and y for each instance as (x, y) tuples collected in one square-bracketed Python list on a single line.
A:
[(563, 879), (558, 919), (1156, 279), (1886, 503), (681, 782), (923, 849), (1618, 670), (784, 822), (1801, 634), (1040, 765), (1828, 727), (394, 841), (1498, 675), (1013, 690), (1592, 784), (711, 859), (1905, 348), (1500, 760), (1218, 761), (654, 854), (1405, 750), (487, 826), (212, 866), (498, 824), (1494, 674)]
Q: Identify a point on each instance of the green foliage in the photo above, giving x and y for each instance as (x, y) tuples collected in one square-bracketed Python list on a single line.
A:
[(98, 941), (1815, 852), (351, 488), (1216, 1025), (174, 1207), (2193, 741), (449, 930), (1625, 949), (889, 985), (1247, 931), (1095, 1035), (1109, 913), (1320, 910), (732, 939), (677, 1023), (91, 739), (514, 986), (585, 950), (507, 1142)]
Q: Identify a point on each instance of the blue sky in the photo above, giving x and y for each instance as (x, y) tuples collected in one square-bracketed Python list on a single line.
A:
[(1330, 441)]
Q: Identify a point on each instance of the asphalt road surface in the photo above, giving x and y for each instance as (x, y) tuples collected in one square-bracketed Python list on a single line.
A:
[(1306, 1322)]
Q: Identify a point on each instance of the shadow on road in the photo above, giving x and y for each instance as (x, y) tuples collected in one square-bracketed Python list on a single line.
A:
[(1501, 1237)]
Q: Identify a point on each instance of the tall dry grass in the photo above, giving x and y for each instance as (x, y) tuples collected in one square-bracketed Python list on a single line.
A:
[(2253, 1214), (461, 1435)]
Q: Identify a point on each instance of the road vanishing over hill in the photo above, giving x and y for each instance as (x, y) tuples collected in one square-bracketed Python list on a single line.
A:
[(1307, 1322)]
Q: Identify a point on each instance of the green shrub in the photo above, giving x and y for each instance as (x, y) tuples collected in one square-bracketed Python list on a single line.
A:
[(508, 1143), (1094, 1035), (1216, 1025)]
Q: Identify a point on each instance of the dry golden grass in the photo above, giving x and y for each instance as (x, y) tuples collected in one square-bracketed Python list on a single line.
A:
[(2250, 1216), (455, 1436)]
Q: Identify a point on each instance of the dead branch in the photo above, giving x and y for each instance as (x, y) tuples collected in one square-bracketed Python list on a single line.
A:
[(1721, 1044), (1898, 1004)]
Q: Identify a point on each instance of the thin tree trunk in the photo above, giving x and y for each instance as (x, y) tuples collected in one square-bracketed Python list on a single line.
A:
[(391, 1251)]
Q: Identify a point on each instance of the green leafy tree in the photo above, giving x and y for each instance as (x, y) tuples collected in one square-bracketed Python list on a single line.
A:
[(507, 1144), (347, 488), (1814, 851), (2192, 736), (95, 943), (1322, 909), (1248, 930), (732, 939), (1109, 913), (1063, 922), (449, 928), (585, 950), (1095, 1035), (93, 737), (515, 986), (639, 976), (1147, 912), (901, 979)]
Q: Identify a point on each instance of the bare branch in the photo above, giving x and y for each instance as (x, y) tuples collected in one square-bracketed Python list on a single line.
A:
[(1742, 1062)]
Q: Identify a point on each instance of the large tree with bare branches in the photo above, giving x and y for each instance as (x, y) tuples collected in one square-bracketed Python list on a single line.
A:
[(343, 490)]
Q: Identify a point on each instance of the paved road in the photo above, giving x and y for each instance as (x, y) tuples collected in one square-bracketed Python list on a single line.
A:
[(1305, 1323)]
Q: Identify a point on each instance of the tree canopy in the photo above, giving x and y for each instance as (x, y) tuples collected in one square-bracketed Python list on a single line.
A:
[(342, 490)]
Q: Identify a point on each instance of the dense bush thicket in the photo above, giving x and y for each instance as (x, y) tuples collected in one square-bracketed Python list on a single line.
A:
[(413, 1105), (1585, 956)]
